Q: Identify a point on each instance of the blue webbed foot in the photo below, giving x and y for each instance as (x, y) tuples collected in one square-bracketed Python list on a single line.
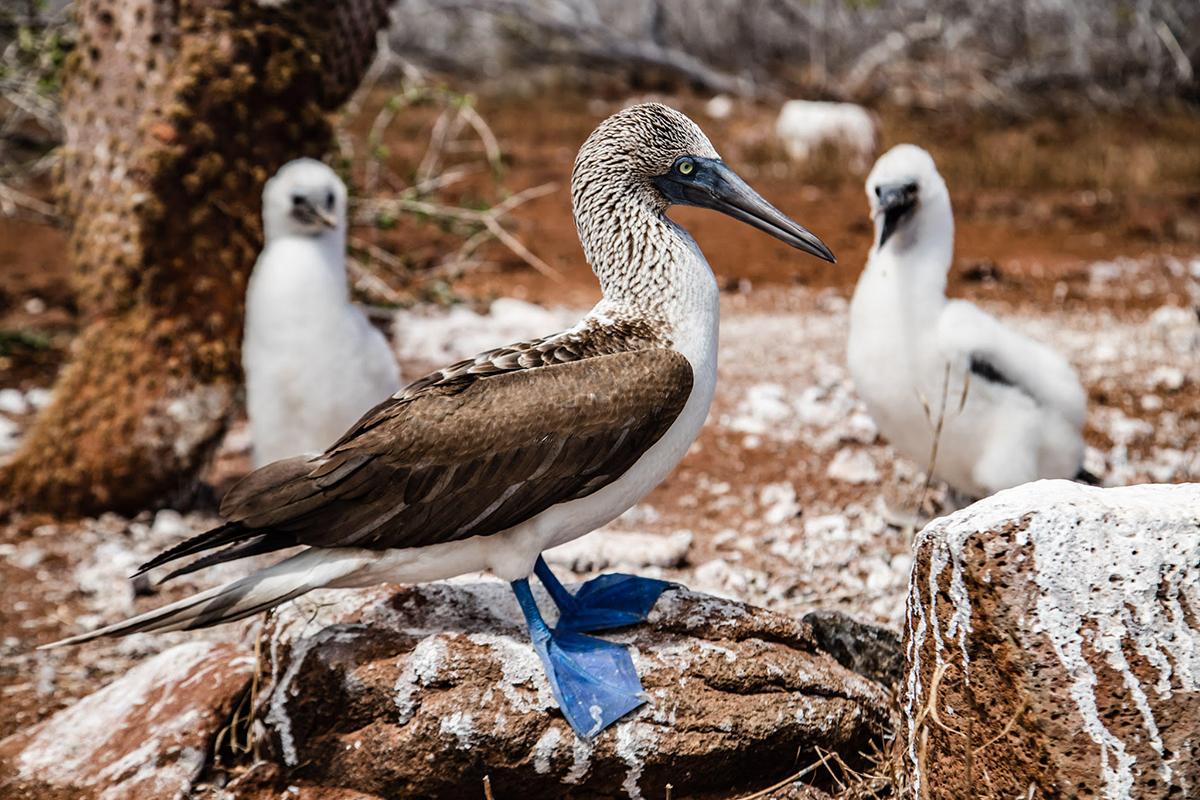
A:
[(594, 681), (609, 601)]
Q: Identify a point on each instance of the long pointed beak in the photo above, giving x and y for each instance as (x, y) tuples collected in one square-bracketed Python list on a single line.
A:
[(895, 202), (718, 187)]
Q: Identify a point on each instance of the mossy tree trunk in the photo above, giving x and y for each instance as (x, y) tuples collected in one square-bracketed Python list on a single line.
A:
[(175, 114)]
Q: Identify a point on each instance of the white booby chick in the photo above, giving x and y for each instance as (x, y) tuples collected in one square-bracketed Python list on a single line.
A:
[(486, 463), (313, 362), (912, 351)]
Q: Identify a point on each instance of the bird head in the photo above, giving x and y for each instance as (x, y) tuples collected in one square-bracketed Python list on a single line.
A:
[(656, 156), (305, 198), (906, 194)]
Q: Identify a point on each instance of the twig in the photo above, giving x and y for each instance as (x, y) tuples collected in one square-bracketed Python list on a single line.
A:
[(447, 178), (922, 774), (596, 40), (487, 787), (490, 145), (369, 209), (364, 277), (524, 196), (433, 153), (515, 245), (1008, 727), (11, 199), (786, 781), (937, 428)]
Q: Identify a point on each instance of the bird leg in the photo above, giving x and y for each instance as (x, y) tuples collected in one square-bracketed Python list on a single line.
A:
[(609, 601), (594, 681)]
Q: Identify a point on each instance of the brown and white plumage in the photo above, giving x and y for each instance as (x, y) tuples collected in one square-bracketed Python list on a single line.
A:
[(486, 463)]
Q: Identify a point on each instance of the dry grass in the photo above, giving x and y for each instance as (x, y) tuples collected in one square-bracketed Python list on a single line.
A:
[(979, 152), (1118, 153)]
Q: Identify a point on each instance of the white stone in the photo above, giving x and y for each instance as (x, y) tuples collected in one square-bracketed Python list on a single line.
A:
[(615, 550), (39, 398), (804, 126), (434, 337), (779, 502), (853, 466), (719, 107), (10, 435), (12, 401)]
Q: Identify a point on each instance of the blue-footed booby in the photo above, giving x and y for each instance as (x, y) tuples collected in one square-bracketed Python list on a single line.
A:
[(313, 362), (1012, 409), (486, 463)]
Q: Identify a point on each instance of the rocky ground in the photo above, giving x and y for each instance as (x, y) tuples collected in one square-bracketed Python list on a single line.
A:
[(788, 500)]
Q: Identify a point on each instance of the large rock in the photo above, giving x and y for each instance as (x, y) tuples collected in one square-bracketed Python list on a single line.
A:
[(427, 690), (144, 736), (1054, 642)]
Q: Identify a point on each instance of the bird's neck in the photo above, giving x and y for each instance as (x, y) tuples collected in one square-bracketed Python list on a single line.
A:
[(648, 266), (913, 264)]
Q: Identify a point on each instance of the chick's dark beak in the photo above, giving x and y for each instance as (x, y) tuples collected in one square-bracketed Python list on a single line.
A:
[(896, 202), (304, 210), (714, 185)]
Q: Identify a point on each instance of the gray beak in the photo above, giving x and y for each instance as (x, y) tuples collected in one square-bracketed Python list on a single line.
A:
[(895, 202), (304, 210), (711, 184)]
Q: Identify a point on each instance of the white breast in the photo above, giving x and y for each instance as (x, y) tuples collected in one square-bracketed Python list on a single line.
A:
[(313, 363)]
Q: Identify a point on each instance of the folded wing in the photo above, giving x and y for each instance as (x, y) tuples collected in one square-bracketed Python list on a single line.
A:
[(471, 454)]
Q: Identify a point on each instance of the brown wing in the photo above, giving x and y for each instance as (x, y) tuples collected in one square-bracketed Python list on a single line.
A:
[(470, 458)]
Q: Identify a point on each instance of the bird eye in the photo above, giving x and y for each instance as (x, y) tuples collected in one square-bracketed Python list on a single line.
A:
[(329, 201), (297, 199), (879, 191), (911, 188), (686, 167)]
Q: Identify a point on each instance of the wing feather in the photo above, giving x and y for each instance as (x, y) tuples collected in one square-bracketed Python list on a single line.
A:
[(470, 455), (1001, 355)]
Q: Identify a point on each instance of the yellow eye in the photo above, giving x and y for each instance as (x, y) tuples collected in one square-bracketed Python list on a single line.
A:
[(686, 167)]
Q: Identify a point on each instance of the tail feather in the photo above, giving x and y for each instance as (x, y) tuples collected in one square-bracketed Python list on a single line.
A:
[(252, 547), (229, 533), (242, 598)]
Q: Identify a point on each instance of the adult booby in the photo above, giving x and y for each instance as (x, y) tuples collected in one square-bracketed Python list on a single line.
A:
[(313, 362), (485, 464), (915, 355)]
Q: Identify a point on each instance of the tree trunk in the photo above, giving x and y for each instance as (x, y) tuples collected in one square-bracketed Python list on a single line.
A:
[(175, 113)]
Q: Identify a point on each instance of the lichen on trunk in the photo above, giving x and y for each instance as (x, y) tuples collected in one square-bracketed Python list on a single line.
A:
[(175, 115)]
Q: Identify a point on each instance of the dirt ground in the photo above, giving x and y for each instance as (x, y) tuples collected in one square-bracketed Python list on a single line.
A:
[(1082, 233)]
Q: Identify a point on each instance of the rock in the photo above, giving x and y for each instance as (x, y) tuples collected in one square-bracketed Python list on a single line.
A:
[(853, 466), (719, 107), (617, 550), (803, 126), (426, 690), (873, 651), (10, 435), (429, 335), (1053, 630), (146, 735), (779, 503), (12, 401), (39, 398)]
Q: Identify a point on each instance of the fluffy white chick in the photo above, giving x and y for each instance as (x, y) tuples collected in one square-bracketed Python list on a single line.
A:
[(1012, 408), (313, 362)]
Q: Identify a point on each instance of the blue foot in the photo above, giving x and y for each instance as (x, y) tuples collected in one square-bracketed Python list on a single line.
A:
[(593, 681), (609, 601)]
